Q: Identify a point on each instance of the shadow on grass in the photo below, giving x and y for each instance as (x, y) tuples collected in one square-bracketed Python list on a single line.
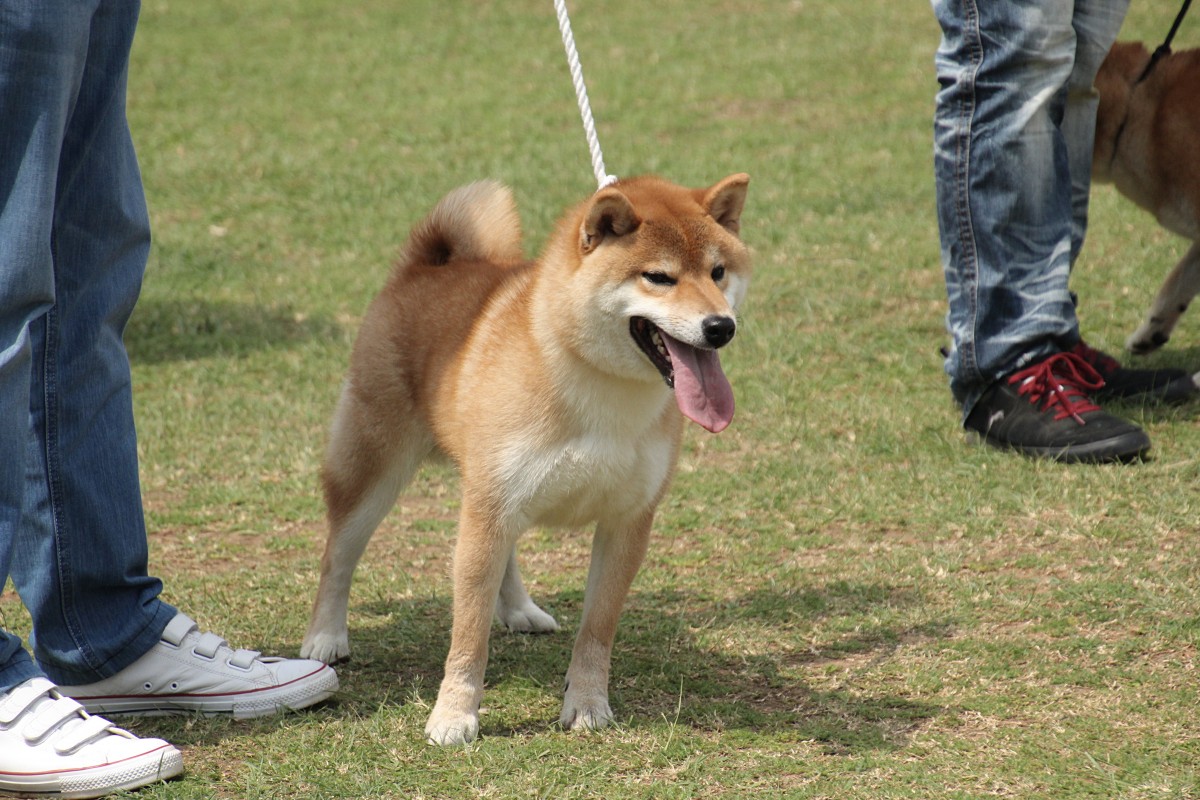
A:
[(163, 330), (676, 661), (669, 664)]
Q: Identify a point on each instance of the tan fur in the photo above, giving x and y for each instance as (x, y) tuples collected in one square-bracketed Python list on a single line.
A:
[(1147, 145), (526, 375)]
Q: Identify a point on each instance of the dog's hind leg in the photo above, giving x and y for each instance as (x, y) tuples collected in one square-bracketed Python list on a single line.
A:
[(617, 553), (515, 608), (363, 476), (1180, 286)]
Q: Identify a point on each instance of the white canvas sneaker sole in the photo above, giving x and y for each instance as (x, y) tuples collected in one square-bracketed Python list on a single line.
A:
[(132, 773), (303, 692)]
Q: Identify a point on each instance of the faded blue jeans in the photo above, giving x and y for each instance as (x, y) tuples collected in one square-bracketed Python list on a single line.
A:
[(74, 237), (1013, 130)]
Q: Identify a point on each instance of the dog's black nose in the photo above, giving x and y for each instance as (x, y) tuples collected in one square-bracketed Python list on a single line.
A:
[(718, 330)]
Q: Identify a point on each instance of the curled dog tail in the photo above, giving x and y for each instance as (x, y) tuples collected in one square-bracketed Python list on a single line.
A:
[(476, 222)]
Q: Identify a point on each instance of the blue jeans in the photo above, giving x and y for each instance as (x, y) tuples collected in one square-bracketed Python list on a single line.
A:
[(1013, 130), (74, 237)]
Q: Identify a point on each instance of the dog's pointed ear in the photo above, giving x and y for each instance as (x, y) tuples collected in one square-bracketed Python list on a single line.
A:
[(724, 200), (610, 214)]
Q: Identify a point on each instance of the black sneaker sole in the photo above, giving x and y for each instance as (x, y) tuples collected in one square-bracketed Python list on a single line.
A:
[(1123, 449)]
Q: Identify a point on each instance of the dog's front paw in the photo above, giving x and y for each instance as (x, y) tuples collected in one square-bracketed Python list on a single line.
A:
[(585, 711), (449, 727), (330, 647), (1150, 336), (527, 618)]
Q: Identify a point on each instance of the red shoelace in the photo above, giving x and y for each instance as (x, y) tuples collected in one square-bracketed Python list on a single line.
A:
[(1061, 381)]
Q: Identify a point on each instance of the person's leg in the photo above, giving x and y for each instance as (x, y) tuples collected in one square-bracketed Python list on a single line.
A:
[(1008, 232), (18, 301), (34, 103), (49, 746), (1003, 193), (1096, 23), (80, 561)]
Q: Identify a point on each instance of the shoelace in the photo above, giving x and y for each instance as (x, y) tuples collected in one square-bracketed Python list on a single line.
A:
[(1061, 381), (1101, 362)]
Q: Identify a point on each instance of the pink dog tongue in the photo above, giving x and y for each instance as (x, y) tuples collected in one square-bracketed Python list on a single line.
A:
[(701, 388)]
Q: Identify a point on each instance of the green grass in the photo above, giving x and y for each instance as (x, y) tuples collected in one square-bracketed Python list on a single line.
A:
[(844, 599)]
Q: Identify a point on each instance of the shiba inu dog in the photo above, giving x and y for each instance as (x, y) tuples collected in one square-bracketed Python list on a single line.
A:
[(559, 389), (1148, 147)]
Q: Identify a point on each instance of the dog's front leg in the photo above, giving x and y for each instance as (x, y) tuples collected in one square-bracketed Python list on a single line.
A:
[(1172, 300), (617, 553), (480, 558)]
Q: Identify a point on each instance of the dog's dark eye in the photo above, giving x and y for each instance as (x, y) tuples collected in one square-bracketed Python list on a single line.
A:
[(659, 278), (718, 273)]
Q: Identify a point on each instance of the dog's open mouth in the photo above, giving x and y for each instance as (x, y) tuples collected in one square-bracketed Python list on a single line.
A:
[(650, 339), (701, 389)]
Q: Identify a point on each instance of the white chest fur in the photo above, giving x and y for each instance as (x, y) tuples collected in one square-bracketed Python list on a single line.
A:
[(583, 479)]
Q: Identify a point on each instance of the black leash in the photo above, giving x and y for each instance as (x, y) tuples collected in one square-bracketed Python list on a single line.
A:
[(1164, 49)]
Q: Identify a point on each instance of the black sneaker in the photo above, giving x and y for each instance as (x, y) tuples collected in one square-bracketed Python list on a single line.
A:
[(1044, 411), (1160, 385)]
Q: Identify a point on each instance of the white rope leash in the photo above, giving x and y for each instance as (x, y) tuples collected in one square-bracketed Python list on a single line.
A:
[(585, 109)]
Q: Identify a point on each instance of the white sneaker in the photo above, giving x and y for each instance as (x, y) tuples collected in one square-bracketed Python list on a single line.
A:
[(189, 672), (51, 747)]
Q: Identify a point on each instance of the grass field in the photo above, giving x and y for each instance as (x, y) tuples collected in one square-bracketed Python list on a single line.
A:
[(843, 599)]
